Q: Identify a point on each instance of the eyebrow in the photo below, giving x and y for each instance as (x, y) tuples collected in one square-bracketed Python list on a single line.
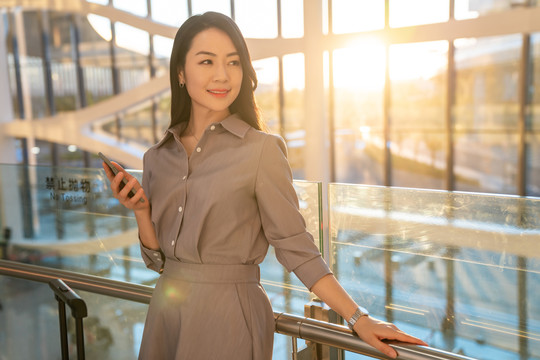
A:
[(208, 53)]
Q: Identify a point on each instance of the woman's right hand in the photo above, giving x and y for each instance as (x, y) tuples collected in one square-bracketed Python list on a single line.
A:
[(134, 202)]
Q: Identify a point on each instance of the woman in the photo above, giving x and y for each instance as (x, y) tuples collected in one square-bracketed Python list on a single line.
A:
[(218, 190)]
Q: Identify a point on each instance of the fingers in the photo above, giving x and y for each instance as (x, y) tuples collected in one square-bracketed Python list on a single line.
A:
[(372, 331)]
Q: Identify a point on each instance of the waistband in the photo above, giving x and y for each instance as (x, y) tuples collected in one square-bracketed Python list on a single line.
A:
[(210, 273)]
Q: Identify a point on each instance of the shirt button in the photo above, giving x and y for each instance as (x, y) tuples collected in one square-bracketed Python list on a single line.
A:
[(198, 149), (213, 127), (156, 254), (172, 242), (180, 209), (184, 177)]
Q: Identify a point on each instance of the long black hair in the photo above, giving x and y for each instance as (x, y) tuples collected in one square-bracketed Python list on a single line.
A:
[(244, 104)]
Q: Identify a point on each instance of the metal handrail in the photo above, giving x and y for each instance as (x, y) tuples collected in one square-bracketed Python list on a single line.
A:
[(334, 335)]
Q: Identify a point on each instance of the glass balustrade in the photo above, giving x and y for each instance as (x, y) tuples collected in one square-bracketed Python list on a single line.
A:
[(66, 218), (459, 270)]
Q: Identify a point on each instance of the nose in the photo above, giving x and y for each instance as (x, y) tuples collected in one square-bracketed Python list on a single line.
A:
[(221, 72)]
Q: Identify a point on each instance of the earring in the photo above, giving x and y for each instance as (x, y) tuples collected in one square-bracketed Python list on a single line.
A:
[(181, 84)]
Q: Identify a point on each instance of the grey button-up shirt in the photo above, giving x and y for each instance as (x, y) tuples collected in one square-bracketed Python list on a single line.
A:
[(227, 202)]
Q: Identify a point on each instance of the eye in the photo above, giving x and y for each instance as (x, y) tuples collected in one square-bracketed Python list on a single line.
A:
[(235, 63), (206, 62)]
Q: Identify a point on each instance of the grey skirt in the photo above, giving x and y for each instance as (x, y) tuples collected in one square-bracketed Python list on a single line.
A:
[(202, 312)]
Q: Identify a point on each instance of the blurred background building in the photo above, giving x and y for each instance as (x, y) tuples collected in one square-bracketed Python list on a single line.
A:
[(438, 94)]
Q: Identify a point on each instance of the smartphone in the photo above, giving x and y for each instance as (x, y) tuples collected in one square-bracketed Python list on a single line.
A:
[(115, 171)]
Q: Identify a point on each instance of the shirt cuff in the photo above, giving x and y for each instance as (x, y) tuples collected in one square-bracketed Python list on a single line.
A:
[(154, 259), (312, 271)]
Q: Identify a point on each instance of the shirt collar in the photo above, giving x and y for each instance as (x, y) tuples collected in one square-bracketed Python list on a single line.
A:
[(231, 123)]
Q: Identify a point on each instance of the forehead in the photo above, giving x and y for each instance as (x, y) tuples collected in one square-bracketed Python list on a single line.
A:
[(212, 40)]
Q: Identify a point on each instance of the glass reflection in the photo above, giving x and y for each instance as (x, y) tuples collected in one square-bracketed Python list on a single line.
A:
[(455, 268)]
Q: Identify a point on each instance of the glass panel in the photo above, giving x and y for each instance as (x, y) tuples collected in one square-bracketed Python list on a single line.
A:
[(63, 72), (137, 125), (469, 9), (292, 18), (221, 6), (294, 122), (419, 258), (534, 93), (533, 165), (267, 93), (256, 19), (350, 16), (487, 75), (66, 218), (407, 13), (96, 60), (170, 12), (486, 162), (136, 7), (418, 98), (358, 104), (112, 330), (133, 47)]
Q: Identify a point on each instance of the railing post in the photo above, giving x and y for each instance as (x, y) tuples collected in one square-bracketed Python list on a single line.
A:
[(64, 295), (316, 309)]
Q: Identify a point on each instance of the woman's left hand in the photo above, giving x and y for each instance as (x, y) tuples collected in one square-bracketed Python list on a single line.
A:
[(373, 331)]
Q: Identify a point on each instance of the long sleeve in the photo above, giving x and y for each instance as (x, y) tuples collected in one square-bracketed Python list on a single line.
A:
[(154, 259), (283, 225)]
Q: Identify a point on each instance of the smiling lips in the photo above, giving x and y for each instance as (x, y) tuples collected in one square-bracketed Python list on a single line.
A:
[(218, 92)]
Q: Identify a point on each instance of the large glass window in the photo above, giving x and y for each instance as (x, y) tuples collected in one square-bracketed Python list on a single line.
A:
[(292, 18), (63, 72), (407, 13), (32, 65), (221, 6), (133, 47), (350, 16), (256, 19), (469, 9), (417, 113), (170, 12), (137, 124), (533, 124), (136, 7), (267, 92), (486, 113), (358, 74), (294, 123)]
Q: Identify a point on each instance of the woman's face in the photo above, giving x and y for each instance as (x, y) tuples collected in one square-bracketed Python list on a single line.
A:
[(212, 73)]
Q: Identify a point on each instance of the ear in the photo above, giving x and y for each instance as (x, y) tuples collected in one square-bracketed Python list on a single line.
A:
[(181, 78)]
